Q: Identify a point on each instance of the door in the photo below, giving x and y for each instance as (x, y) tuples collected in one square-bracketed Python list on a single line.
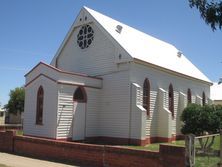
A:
[(79, 121), (79, 114)]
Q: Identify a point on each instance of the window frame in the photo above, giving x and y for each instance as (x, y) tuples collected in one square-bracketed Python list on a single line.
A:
[(146, 95), (189, 96), (171, 100), (203, 99), (40, 106)]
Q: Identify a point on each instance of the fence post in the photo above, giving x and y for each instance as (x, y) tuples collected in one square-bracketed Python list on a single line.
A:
[(189, 150), (220, 163)]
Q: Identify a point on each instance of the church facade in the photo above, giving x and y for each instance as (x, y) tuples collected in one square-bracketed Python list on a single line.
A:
[(109, 82)]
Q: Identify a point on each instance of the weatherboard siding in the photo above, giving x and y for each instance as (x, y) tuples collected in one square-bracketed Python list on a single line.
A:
[(65, 112), (48, 128), (115, 105), (92, 112), (160, 79), (98, 59), (150, 123)]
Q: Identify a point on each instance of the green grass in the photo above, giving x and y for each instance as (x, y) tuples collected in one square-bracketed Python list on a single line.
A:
[(156, 146), (200, 161), (19, 133), (204, 161)]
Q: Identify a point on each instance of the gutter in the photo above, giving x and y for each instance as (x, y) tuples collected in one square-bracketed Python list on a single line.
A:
[(170, 71)]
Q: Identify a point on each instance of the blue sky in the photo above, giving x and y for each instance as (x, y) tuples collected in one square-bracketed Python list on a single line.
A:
[(32, 30)]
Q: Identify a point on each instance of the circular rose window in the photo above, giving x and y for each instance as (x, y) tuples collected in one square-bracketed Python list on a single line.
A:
[(85, 36)]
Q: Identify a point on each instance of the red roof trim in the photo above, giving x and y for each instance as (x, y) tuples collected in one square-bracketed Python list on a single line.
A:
[(59, 82), (38, 77), (60, 71)]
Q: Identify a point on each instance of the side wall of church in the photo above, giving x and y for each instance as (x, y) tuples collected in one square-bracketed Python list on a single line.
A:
[(160, 79)]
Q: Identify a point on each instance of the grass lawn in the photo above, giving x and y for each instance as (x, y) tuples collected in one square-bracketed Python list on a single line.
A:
[(200, 161), (156, 146), (19, 133)]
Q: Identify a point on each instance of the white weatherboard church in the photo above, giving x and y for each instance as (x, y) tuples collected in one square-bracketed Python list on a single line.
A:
[(109, 82)]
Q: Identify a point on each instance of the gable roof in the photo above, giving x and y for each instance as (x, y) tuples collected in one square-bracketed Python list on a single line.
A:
[(145, 47)]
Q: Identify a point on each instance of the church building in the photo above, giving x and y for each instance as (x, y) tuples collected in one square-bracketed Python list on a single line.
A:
[(111, 83)]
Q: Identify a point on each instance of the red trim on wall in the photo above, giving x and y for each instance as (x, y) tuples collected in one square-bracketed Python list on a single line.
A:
[(60, 71), (38, 77), (118, 141), (72, 84), (59, 82), (124, 141)]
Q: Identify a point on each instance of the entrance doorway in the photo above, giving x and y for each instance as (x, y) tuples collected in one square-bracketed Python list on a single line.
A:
[(79, 114)]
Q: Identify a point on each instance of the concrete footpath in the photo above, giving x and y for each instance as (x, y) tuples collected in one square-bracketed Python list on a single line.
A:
[(10, 160)]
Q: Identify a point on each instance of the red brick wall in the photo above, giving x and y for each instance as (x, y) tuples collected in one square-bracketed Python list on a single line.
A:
[(126, 141), (124, 157), (76, 153), (172, 156), (90, 154), (6, 141)]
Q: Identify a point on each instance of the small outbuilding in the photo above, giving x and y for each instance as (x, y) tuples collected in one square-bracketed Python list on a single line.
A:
[(2, 116), (112, 83), (216, 93)]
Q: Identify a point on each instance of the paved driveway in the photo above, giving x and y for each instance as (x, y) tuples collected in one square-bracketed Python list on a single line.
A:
[(11, 160)]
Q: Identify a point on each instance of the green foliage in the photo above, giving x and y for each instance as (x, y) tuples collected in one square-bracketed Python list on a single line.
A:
[(199, 120), (210, 11), (16, 100)]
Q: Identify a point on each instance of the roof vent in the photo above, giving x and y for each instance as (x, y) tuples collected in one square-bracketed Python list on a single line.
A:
[(119, 28), (179, 53)]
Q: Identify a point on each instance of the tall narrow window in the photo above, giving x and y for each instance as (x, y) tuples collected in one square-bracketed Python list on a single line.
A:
[(189, 100), (80, 95), (39, 110), (171, 99), (203, 99), (146, 96)]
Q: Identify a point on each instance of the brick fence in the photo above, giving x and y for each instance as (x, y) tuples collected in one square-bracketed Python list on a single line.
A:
[(91, 154)]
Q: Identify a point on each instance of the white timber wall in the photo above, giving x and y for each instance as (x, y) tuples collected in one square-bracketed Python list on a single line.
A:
[(182, 104), (137, 114), (161, 79), (65, 112), (115, 105), (164, 116), (48, 129), (98, 59)]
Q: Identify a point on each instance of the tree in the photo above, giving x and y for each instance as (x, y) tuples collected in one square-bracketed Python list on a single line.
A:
[(16, 101), (210, 11), (200, 120)]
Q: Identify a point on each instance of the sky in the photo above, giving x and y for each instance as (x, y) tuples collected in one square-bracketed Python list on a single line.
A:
[(32, 30)]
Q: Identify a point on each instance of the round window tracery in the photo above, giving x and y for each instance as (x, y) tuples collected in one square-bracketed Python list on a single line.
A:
[(85, 36)]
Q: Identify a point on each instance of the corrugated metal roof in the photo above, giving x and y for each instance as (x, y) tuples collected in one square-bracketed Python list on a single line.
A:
[(147, 48)]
